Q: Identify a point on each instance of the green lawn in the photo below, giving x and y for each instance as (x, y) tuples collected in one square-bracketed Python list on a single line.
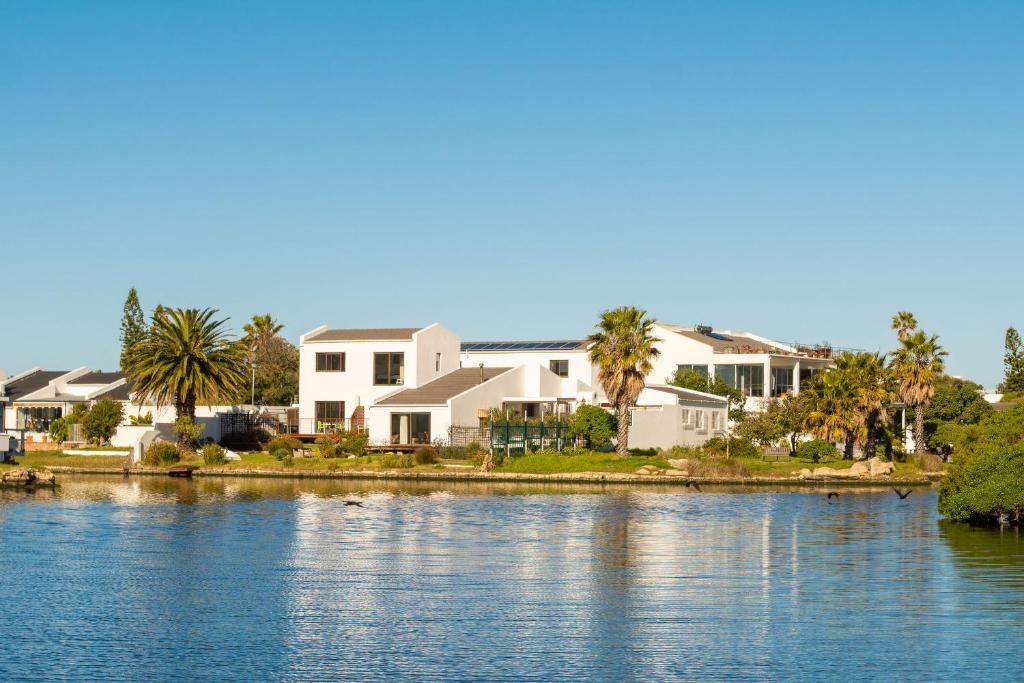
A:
[(49, 458), (592, 461)]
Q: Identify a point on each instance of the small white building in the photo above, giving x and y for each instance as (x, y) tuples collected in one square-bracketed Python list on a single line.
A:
[(666, 416)]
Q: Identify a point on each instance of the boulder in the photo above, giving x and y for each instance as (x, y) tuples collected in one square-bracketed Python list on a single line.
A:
[(805, 473), (860, 469), (673, 472), (879, 468), (26, 476), (45, 477), (680, 463), (647, 469), (835, 474)]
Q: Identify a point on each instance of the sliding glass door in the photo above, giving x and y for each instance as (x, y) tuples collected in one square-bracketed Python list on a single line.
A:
[(410, 428)]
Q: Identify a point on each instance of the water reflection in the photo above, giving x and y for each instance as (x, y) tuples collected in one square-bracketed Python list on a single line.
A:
[(253, 579)]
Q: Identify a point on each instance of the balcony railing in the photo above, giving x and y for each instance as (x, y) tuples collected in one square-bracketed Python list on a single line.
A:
[(328, 426)]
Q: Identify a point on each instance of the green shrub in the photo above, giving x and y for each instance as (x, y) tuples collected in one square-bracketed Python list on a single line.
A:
[(354, 443), (737, 448), (595, 424), (391, 461), (817, 450), (680, 452), (213, 454), (643, 452), (425, 455), (188, 431), (980, 487), (288, 443), (326, 447), (146, 419), (161, 453), (712, 468), (59, 430), (281, 453), (100, 423)]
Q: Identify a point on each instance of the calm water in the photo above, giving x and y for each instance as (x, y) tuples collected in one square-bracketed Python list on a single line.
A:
[(242, 580)]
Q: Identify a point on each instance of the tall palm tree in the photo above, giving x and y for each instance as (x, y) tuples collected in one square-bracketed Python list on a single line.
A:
[(185, 359), (622, 349), (832, 412), (904, 323), (916, 365), (261, 327), (870, 379)]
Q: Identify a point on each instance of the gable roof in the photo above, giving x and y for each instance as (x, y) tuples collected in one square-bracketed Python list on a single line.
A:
[(724, 341), (30, 383), (96, 377), (370, 334), (120, 392), (443, 388)]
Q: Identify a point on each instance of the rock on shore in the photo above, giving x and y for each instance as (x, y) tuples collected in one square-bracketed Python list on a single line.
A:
[(27, 476), (873, 467)]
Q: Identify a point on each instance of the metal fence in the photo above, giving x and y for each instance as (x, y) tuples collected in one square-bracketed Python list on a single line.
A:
[(248, 427), (518, 439), (463, 436)]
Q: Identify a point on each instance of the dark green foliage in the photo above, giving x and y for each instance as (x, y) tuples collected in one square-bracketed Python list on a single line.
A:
[(817, 450), (956, 400), (391, 461), (643, 452), (161, 453), (595, 424), (133, 325), (288, 443), (697, 381), (213, 454), (764, 428), (100, 423), (980, 487), (999, 430), (738, 447), (282, 454), (1013, 362), (425, 455), (354, 443), (59, 430), (188, 431), (326, 447)]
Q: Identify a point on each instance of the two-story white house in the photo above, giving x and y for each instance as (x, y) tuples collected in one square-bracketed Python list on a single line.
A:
[(344, 371)]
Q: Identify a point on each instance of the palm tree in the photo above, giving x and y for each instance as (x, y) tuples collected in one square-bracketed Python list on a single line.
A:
[(622, 349), (904, 323), (867, 374), (832, 411), (261, 328), (185, 359), (916, 365)]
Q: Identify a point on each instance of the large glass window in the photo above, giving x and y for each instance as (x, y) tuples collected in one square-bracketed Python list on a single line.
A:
[(782, 381), (330, 362), (329, 414), (559, 367), (747, 378), (38, 418), (389, 368), (807, 374), (410, 428), (702, 369)]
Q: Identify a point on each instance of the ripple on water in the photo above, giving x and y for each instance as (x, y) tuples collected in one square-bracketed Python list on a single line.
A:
[(113, 579)]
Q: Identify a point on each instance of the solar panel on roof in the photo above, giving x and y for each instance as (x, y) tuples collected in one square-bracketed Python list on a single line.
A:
[(719, 337)]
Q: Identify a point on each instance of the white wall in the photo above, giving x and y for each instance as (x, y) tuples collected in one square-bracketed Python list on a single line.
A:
[(355, 385), (379, 421)]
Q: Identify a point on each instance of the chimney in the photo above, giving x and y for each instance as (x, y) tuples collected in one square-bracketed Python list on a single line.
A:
[(481, 373)]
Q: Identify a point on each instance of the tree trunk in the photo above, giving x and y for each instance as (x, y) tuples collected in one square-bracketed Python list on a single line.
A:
[(848, 447), (871, 440), (186, 408), (622, 437), (919, 446)]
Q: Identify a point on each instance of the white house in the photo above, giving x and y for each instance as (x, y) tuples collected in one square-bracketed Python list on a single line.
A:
[(666, 416), (343, 371), (759, 367)]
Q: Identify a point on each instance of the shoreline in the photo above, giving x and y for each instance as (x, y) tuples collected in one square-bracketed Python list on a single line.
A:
[(509, 477)]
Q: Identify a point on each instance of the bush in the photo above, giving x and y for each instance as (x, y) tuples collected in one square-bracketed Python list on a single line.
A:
[(595, 424), (981, 487), (928, 462), (425, 455), (161, 453), (643, 452), (712, 468), (397, 461), (188, 431), (213, 454), (817, 450), (326, 447), (680, 452), (354, 443), (100, 423), (281, 453), (59, 430), (137, 420), (286, 442), (736, 448)]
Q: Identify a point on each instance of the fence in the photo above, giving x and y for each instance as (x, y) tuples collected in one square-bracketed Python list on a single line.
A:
[(463, 436), (248, 427), (518, 439)]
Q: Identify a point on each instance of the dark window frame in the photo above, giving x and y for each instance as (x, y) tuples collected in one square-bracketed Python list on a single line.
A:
[(564, 361), (391, 377), (322, 358)]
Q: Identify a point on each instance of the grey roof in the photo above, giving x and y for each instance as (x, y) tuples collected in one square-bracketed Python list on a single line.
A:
[(32, 382), (121, 392), (96, 377), (558, 345), (731, 343), (378, 334), (443, 388)]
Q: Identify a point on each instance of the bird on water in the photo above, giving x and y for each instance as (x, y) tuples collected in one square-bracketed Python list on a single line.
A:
[(354, 502)]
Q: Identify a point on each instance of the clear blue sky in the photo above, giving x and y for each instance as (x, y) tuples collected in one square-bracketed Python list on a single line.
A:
[(801, 170)]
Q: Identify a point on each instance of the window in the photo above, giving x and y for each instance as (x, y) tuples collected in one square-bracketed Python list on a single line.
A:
[(410, 428), (807, 374), (389, 368), (559, 367), (715, 418), (782, 381), (684, 417), (329, 414), (702, 369), (330, 362), (698, 419), (437, 362), (747, 378), (37, 419)]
